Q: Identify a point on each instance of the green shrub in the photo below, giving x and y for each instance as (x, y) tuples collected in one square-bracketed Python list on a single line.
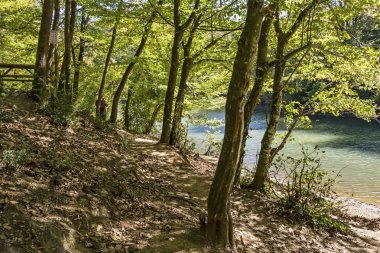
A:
[(16, 158), (65, 162), (5, 117), (126, 144), (185, 144), (246, 178), (102, 125), (305, 189), (62, 112), (214, 145)]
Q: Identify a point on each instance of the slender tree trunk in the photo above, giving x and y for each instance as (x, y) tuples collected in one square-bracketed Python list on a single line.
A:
[(174, 64), (150, 125), (265, 156), (64, 86), (219, 220), (172, 82), (53, 50), (130, 67), (178, 110), (106, 66), (66, 55), (254, 96), (79, 63), (126, 112), (68, 84), (185, 72), (39, 89), (108, 59), (270, 133)]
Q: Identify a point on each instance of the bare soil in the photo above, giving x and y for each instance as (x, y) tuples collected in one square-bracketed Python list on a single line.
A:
[(83, 190)]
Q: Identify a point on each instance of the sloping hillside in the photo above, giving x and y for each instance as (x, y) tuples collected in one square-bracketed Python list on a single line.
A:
[(79, 189)]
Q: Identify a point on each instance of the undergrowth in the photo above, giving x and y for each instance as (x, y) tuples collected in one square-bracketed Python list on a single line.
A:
[(304, 190), (16, 158)]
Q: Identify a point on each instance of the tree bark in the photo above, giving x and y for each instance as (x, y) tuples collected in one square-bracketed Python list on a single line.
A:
[(179, 30), (256, 91), (79, 63), (178, 110), (219, 220), (265, 156), (150, 125), (188, 63), (39, 88), (64, 86), (106, 66), (108, 59), (185, 72), (265, 151), (126, 112), (130, 67), (53, 50)]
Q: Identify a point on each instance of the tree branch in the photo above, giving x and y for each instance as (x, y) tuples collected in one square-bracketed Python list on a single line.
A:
[(210, 60), (301, 17), (210, 45), (160, 14), (292, 53), (191, 17)]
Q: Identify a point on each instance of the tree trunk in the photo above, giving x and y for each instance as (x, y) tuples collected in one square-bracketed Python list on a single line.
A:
[(53, 50), (178, 110), (64, 86), (39, 89), (265, 156), (106, 65), (66, 55), (130, 67), (78, 65), (270, 133), (68, 85), (108, 59), (126, 112), (219, 220), (254, 97), (179, 30), (150, 125), (172, 82), (185, 72)]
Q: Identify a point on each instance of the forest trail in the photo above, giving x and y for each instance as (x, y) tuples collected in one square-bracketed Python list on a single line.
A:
[(78, 189)]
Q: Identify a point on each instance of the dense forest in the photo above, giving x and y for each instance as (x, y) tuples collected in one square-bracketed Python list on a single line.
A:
[(97, 98)]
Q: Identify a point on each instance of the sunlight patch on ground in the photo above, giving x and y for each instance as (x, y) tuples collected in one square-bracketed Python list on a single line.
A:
[(100, 169), (69, 241), (159, 154), (30, 184), (143, 140)]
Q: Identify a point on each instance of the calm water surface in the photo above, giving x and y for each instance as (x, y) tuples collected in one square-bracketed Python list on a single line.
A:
[(351, 145)]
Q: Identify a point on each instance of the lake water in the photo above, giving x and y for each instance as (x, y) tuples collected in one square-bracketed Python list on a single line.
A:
[(351, 145)]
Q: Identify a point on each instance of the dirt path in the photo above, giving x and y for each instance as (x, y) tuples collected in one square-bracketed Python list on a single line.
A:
[(83, 190)]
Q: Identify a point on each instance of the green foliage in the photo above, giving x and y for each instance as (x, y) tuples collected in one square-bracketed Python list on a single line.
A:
[(19, 24), (185, 144), (62, 112), (4, 117), (214, 145), (188, 147), (246, 177), (102, 125), (16, 158), (125, 144), (64, 162), (305, 189)]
